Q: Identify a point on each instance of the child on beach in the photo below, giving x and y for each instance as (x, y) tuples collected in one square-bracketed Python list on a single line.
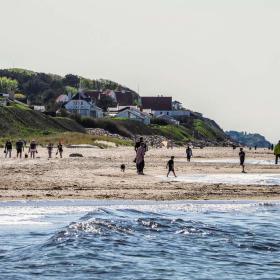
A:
[(170, 166), (242, 159)]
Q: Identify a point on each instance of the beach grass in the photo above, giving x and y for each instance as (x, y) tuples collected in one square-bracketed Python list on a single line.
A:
[(71, 138)]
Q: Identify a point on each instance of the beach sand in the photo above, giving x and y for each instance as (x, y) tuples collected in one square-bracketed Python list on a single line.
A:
[(97, 175)]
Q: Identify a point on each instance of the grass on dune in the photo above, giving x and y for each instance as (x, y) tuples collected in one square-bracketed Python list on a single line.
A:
[(70, 138)]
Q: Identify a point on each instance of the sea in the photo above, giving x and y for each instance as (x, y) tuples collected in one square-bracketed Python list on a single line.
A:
[(87, 239)]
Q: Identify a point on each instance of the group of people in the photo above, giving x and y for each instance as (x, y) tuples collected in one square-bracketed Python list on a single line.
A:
[(20, 147), (275, 149), (141, 148)]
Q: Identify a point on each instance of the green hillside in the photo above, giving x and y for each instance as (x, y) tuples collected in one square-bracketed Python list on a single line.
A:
[(43, 89), (17, 120)]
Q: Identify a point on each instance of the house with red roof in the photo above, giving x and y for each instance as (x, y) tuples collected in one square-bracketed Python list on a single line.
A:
[(162, 105)]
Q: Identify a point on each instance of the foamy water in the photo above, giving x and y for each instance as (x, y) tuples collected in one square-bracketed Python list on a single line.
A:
[(139, 240), (230, 179), (231, 161)]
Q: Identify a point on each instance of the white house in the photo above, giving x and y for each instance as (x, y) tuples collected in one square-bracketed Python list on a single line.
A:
[(134, 114), (82, 105), (163, 105)]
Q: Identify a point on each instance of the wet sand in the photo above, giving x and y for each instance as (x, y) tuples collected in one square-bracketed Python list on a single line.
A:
[(97, 175)]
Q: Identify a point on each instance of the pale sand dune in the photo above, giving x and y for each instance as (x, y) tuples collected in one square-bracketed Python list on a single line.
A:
[(97, 175)]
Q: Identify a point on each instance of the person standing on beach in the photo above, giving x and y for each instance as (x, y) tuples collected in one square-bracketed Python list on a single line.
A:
[(170, 166), (277, 152), (33, 149), (19, 148), (59, 149), (189, 153), (242, 159), (140, 159), (50, 149), (8, 149)]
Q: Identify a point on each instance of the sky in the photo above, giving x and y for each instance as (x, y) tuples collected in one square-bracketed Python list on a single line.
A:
[(218, 57)]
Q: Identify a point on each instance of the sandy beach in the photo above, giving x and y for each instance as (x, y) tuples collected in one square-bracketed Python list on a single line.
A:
[(97, 175)]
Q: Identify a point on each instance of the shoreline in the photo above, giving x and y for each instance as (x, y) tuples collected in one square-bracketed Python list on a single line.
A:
[(97, 176)]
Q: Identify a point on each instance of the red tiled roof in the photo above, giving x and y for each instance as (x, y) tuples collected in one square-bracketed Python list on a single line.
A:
[(124, 98), (157, 103)]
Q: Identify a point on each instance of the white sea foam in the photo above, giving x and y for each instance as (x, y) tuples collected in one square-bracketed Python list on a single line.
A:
[(230, 179), (47, 213), (231, 161)]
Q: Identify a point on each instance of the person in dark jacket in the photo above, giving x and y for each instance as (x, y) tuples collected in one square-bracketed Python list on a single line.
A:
[(19, 148), (33, 149), (189, 153), (242, 159), (8, 149)]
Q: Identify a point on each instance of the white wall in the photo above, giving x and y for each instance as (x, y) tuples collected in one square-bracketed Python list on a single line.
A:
[(127, 114), (175, 113)]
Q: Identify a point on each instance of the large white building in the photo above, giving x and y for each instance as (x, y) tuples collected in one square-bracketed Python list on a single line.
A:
[(82, 105), (162, 105)]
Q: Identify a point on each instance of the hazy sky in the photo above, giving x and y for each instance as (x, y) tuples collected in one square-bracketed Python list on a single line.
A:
[(221, 58)]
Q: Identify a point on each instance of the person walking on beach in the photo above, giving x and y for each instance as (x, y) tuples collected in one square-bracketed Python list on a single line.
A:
[(50, 149), (8, 149), (242, 159), (19, 148), (33, 149), (59, 149), (277, 152), (170, 166), (189, 153), (140, 159)]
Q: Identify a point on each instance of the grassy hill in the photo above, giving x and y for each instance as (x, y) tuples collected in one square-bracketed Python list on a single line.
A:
[(43, 89), (192, 129), (20, 121)]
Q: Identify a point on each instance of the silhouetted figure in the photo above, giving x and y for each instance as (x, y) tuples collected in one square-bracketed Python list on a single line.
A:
[(8, 149), (59, 149), (189, 153), (33, 149), (19, 148), (50, 149), (140, 159), (242, 159), (277, 152), (170, 166)]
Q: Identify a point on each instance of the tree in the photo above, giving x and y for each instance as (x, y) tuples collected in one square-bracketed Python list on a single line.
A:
[(8, 85), (71, 80)]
